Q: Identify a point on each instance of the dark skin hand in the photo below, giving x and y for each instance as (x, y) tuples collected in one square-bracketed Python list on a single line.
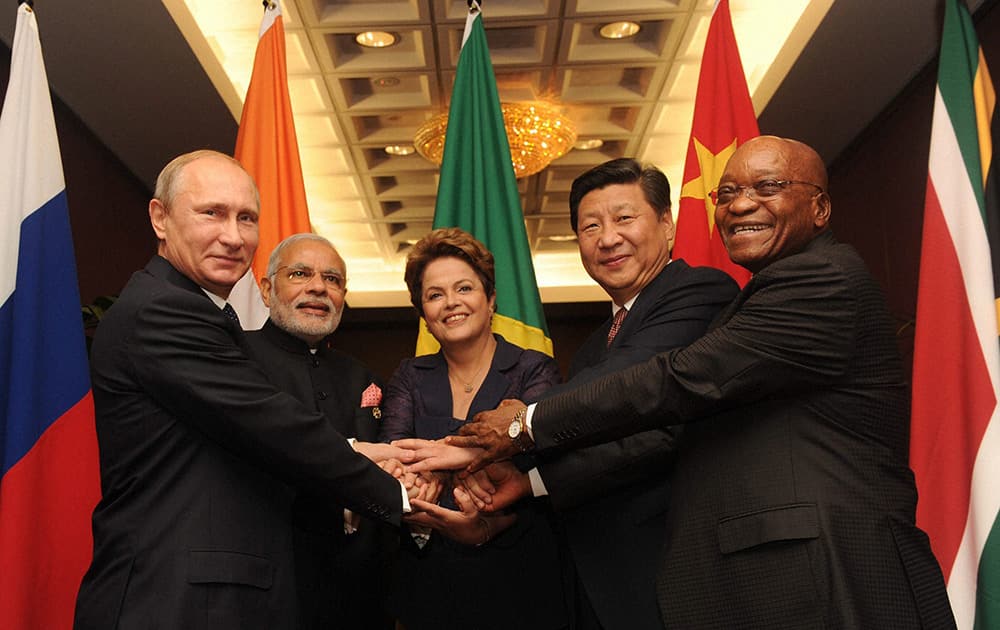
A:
[(488, 431)]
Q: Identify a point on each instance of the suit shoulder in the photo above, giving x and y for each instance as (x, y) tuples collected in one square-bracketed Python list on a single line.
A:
[(706, 276), (825, 257)]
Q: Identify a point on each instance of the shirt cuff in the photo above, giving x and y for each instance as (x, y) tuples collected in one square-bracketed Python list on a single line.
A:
[(406, 500), (538, 488), (527, 420)]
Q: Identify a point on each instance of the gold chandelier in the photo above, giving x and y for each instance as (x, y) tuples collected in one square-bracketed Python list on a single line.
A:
[(536, 131)]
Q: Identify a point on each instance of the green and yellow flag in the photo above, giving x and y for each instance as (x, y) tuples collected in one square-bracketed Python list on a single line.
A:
[(478, 193)]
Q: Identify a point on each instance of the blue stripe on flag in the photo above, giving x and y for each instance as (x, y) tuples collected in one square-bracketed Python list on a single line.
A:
[(43, 356)]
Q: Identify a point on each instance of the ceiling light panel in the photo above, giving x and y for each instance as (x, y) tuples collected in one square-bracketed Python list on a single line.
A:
[(339, 12), (324, 160), (623, 7), (456, 10), (360, 92), (412, 51), (316, 130)]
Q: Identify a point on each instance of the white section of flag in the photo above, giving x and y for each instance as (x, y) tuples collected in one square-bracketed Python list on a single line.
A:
[(25, 129)]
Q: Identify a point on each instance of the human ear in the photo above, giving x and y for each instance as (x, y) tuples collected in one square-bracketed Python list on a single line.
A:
[(823, 209), (265, 291), (157, 218)]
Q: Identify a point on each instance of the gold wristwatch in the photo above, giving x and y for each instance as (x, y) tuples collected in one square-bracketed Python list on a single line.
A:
[(518, 431)]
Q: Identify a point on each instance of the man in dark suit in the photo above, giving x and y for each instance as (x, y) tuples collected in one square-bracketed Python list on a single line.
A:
[(200, 453), (611, 499), (792, 504), (340, 561)]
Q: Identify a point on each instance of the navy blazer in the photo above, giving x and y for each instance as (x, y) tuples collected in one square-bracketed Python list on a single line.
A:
[(448, 585), (793, 505), (200, 457)]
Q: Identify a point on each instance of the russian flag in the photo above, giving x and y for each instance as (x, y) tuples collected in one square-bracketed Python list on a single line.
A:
[(48, 447)]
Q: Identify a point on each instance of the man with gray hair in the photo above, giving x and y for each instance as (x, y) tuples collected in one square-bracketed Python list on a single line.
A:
[(340, 564)]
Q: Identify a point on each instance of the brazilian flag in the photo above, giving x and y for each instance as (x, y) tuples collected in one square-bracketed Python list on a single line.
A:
[(478, 193)]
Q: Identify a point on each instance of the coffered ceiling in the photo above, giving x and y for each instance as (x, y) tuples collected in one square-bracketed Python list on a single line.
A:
[(634, 95), (155, 78)]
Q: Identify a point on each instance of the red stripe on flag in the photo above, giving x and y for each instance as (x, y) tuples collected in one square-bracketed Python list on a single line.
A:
[(723, 119), (45, 539), (942, 454)]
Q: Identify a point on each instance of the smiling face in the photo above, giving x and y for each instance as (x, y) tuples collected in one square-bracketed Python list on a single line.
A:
[(454, 302), (312, 310), (623, 243), (209, 232), (758, 232)]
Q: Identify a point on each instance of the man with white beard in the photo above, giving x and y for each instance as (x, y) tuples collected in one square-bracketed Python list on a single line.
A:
[(340, 564)]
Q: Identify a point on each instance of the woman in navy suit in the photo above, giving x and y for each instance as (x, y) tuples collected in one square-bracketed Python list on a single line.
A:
[(440, 582)]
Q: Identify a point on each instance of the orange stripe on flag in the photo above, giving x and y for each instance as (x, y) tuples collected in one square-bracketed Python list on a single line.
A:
[(267, 147)]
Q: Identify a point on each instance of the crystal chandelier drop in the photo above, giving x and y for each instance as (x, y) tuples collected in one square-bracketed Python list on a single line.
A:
[(536, 131)]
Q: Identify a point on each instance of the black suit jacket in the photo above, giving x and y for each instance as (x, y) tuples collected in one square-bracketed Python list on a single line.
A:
[(612, 499), (199, 457), (341, 579), (792, 504)]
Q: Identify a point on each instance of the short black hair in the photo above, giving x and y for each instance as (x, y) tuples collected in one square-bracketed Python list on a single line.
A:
[(654, 184)]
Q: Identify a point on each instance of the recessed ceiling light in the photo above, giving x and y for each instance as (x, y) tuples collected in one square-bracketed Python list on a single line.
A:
[(562, 238), (619, 30), (399, 149), (375, 39), (587, 145)]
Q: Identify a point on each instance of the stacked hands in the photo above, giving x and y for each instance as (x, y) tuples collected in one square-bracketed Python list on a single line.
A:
[(473, 464)]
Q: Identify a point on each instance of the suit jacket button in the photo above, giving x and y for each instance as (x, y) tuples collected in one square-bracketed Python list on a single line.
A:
[(322, 395)]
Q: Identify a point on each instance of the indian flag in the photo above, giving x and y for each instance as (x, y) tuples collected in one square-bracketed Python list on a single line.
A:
[(955, 445), (267, 148)]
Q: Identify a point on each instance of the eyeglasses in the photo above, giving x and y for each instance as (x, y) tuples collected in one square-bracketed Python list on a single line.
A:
[(302, 275), (760, 191)]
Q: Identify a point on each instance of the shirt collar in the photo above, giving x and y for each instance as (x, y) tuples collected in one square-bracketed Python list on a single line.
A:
[(221, 303)]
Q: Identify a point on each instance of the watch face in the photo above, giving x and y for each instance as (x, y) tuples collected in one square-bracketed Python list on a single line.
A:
[(514, 430)]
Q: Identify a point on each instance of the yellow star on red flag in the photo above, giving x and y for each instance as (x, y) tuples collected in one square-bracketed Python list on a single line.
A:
[(710, 166)]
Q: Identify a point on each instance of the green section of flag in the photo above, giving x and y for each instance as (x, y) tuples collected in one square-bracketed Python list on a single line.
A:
[(988, 587), (964, 84), (960, 55), (478, 190)]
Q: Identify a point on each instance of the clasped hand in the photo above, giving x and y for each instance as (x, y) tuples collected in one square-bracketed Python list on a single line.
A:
[(488, 432)]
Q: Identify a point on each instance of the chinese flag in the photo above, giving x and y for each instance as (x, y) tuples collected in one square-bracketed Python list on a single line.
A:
[(723, 120)]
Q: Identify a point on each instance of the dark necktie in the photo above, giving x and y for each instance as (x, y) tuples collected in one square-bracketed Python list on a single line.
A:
[(230, 312), (616, 324)]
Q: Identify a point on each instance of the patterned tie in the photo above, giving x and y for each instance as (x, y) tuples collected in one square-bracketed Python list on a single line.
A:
[(616, 324), (230, 312)]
